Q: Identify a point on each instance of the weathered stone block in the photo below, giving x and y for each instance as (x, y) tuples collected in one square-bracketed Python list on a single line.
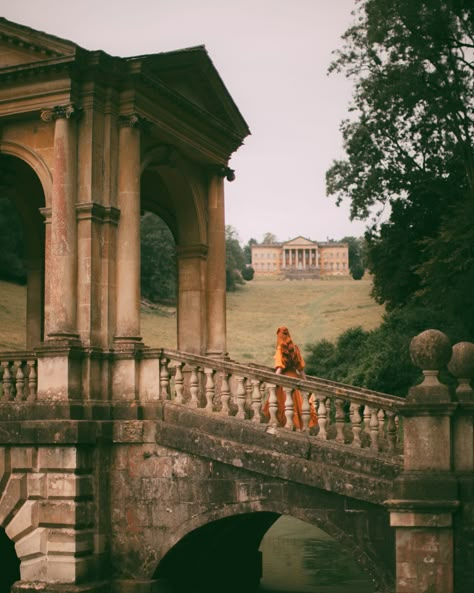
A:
[(22, 458), (32, 544), (24, 520)]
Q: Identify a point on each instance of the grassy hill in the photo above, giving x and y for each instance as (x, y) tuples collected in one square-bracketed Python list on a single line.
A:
[(311, 309)]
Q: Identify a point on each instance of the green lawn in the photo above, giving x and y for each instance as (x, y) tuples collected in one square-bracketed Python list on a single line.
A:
[(311, 309)]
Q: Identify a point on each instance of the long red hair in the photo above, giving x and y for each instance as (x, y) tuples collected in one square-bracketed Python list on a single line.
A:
[(290, 352)]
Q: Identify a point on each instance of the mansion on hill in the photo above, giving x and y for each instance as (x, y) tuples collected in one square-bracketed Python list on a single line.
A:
[(300, 258)]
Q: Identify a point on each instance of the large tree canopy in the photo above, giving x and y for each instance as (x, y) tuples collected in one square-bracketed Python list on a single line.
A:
[(409, 148)]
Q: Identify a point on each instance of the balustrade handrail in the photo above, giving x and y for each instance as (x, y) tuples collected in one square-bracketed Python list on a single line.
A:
[(311, 384)]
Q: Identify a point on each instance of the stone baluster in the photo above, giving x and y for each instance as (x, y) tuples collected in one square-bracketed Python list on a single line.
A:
[(194, 388), (381, 417), (179, 383), (356, 422), (289, 412), (225, 395), (305, 410), (256, 401), (340, 417), (374, 429), (210, 389), (32, 380), (322, 418), (248, 394), (19, 380), (6, 381), (366, 424), (272, 406), (425, 494), (391, 432), (164, 379), (241, 394)]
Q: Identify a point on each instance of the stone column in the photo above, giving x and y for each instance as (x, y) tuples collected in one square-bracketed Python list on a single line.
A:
[(216, 272), (62, 268), (59, 366), (191, 298), (425, 494), (128, 238)]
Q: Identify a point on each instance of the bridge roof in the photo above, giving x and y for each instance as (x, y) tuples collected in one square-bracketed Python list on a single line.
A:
[(187, 74)]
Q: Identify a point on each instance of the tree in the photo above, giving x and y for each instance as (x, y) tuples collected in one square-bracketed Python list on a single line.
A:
[(269, 238), (235, 258), (248, 250), (357, 259), (409, 148), (158, 260)]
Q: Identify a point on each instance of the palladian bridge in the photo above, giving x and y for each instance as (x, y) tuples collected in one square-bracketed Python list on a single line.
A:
[(129, 469)]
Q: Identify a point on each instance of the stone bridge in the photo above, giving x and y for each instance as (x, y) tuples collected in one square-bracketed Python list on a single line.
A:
[(119, 496), (127, 469)]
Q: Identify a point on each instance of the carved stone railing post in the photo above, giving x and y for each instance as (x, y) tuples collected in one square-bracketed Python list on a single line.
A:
[(425, 493), (256, 401), (288, 407), (461, 366)]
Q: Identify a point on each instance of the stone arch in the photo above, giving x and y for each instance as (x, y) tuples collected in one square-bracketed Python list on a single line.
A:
[(170, 185), (335, 524), (29, 193), (176, 190), (38, 165)]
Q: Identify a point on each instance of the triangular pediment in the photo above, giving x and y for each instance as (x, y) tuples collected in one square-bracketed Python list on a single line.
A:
[(21, 45), (299, 242), (191, 73)]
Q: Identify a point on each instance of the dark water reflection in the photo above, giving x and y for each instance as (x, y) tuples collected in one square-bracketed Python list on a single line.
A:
[(300, 558)]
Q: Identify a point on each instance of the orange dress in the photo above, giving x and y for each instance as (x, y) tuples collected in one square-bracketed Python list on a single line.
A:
[(296, 395)]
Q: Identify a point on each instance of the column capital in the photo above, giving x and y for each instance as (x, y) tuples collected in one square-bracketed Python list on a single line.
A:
[(222, 171), (60, 112), (132, 120)]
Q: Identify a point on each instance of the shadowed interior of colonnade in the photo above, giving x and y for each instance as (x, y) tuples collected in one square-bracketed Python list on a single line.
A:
[(158, 262), (261, 551), (22, 198)]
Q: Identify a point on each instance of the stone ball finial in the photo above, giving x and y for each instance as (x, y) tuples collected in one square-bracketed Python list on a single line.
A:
[(430, 350), (461, 364)]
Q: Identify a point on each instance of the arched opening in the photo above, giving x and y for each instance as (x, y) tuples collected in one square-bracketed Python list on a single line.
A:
[(158, 266), (220, 556), (297, 556), (175, 193), (10, 563), (158, 282), (262, 551), (22, 249)]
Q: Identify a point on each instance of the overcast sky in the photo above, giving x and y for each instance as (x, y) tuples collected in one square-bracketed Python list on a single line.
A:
[(273, 57)]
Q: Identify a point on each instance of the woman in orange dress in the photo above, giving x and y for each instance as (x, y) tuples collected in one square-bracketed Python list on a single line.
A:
[(289, 362)]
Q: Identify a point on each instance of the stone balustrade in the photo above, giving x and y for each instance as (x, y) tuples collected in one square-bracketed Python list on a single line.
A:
[(18, 376), (348, 415)]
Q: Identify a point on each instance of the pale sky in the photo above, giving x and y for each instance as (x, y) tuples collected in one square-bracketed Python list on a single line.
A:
[(273, 57)]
